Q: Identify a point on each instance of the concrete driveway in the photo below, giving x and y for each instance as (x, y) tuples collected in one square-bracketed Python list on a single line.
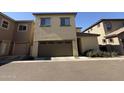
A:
[(64, 71)]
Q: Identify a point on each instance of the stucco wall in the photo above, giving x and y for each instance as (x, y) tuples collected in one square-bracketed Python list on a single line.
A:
[(55, 31), (115, 25), (6, 34), (115, 41), (98, 30), (88, 42), (26, 36)]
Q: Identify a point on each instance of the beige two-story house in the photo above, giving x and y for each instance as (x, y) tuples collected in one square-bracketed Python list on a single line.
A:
[(54, 35), (111, 34)]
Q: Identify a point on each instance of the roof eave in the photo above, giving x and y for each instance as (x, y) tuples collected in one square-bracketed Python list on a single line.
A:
[(74, 13), (6, 16)]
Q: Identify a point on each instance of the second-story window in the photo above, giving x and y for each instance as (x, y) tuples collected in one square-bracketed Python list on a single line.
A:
[(108, 26), (22, 28), (45, 22), (5, 24), (65, 21)]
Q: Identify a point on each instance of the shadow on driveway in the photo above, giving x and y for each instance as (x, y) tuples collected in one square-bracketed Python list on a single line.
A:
[(8, 59)]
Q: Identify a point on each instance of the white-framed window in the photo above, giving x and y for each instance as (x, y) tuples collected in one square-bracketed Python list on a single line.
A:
[(45, 22), (111, 40), (108, 25), (104, 40), (65, 21), (22, 27), (5, 24)]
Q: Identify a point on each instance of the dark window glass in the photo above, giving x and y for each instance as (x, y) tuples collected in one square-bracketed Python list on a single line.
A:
[(45, 22), (65, 21), (111, 40), (5, 24), (22, 28), (108, 26), (104, 40)]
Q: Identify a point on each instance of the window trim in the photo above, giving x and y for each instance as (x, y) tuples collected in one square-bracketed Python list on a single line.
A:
[(65, 25), (2, 24), (104, 41), (45, 25), (111, 40), (109, 24), (22, 30)]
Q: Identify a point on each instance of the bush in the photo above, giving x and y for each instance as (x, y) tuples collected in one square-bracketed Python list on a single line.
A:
[(94, 53), (114, 54)]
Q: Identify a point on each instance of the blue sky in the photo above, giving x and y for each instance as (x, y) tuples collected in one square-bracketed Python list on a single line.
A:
[(83, 19)]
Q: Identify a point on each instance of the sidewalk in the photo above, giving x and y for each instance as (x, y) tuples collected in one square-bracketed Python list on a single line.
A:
[(73, 59)]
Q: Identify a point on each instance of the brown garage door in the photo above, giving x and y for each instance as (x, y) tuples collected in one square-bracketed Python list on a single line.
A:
[(55, 48), (21, 49)]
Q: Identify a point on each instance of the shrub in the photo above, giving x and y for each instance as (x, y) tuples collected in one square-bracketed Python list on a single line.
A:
[(114, 54), (94, 53), (87, 51)]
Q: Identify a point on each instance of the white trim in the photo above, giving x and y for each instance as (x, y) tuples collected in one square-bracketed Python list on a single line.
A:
[(2, 23), (22, 30)]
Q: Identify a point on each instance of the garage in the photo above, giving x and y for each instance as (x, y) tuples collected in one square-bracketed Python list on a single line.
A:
[(55, 48), (20, 49)]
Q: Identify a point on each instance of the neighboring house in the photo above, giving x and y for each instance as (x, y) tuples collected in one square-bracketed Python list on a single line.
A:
[(22, 38), (111, 34), (7, 28), (15, 36), (50, 34)]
